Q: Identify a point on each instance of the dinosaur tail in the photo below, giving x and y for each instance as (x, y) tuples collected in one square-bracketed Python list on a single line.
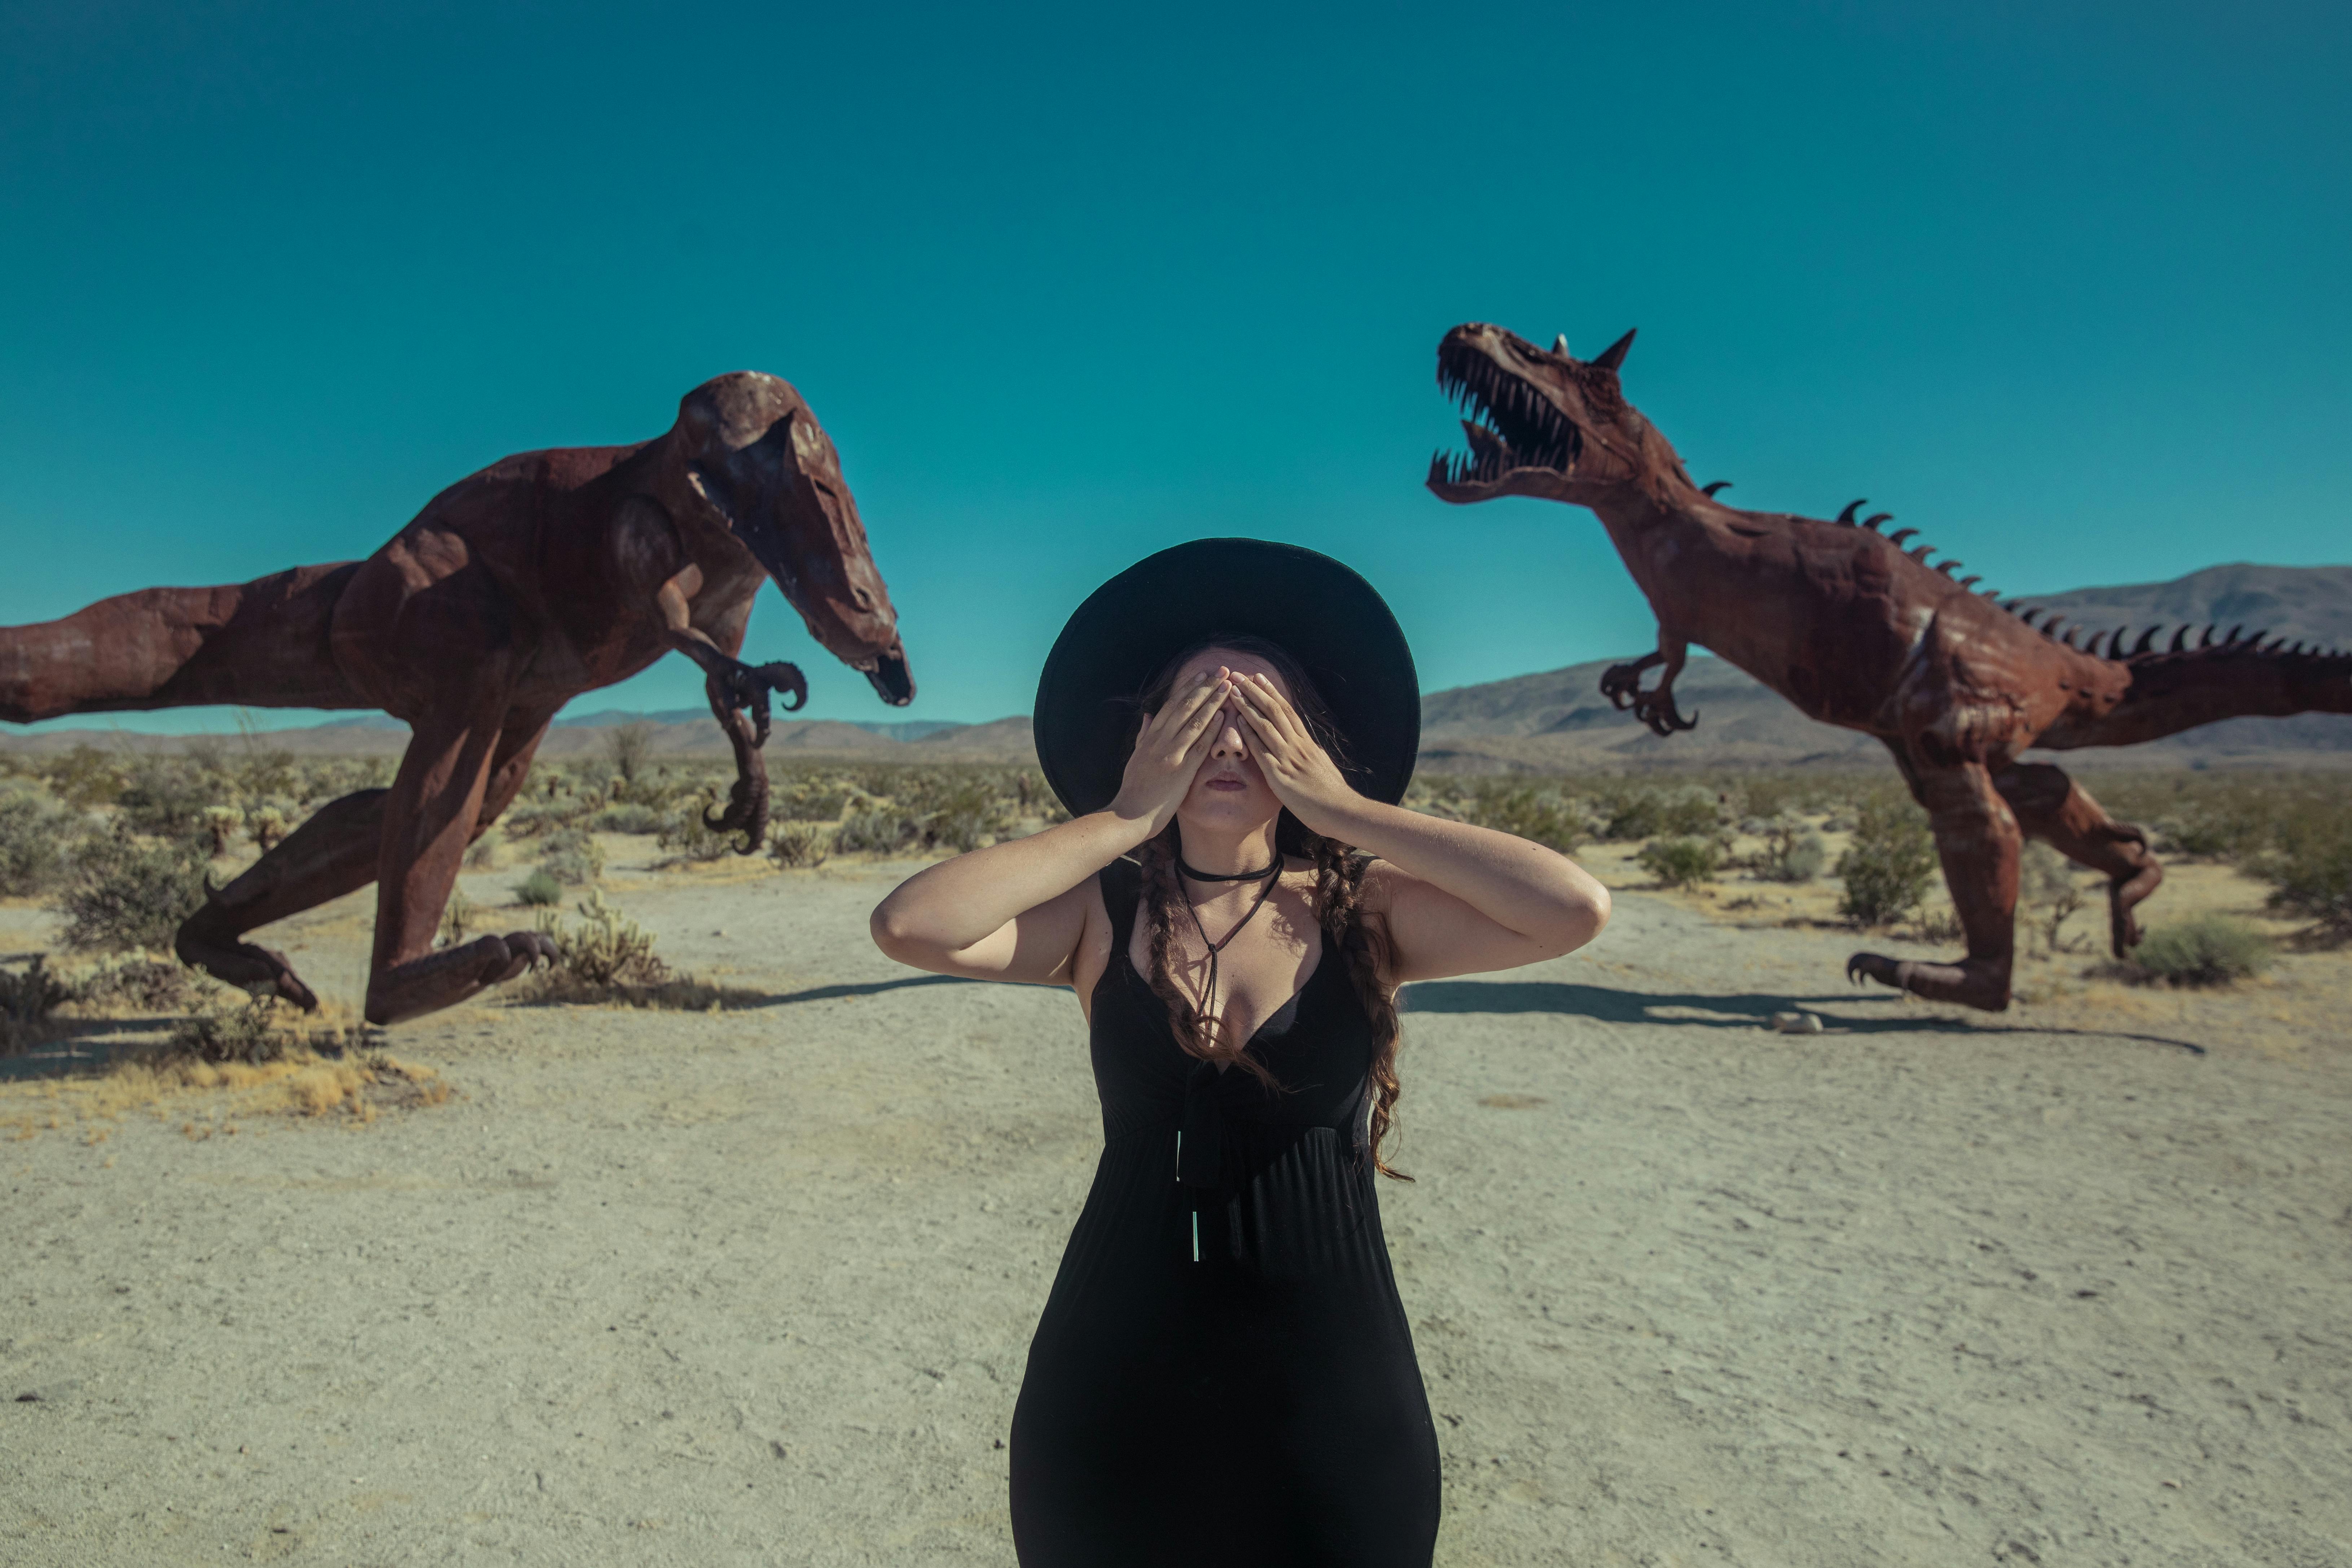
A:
[(2185, 684), (262, 644)]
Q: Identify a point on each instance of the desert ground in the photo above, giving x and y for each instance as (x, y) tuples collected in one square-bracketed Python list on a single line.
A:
[(2063, 1286)]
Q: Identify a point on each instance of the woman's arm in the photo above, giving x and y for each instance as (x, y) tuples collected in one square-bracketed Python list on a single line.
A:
[(1017, 911), (1459, 900)]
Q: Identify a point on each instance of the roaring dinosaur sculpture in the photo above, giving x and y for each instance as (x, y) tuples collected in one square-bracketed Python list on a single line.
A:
[(515, 590), (1858, 631)]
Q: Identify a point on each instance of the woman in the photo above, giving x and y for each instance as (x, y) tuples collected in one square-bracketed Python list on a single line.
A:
[(1224, 1374)]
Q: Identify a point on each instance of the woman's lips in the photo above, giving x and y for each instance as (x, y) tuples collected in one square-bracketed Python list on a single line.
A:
[(1228, 784)]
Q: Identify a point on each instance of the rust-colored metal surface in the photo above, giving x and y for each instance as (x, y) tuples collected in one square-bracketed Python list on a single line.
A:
[(515, 590), (1856, 628)]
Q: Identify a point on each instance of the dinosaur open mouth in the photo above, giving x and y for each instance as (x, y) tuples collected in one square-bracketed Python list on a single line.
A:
[(1511, 425)]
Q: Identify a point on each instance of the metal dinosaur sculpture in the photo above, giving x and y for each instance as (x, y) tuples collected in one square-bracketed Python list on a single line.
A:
[(518, 588), (1857, 630)]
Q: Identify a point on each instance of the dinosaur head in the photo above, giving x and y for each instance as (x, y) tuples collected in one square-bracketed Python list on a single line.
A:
[(1543, 423), (755, 456)]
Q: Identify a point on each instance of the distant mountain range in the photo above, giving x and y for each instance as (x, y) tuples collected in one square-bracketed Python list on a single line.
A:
[(1556, 721)]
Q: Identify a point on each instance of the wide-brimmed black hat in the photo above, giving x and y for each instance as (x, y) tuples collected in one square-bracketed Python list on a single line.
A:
[(1321, 612)]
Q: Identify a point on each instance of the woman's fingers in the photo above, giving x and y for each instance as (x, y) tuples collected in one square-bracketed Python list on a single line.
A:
[(1266, 716), (1191, 718)]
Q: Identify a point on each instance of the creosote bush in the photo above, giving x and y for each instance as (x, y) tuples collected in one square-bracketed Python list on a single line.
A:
[(1890, 864), (2309, 869), (32, 832), (539, 890), (571, 855), (1792, 851), (124, 892), (1680, 862), (2204, 950)]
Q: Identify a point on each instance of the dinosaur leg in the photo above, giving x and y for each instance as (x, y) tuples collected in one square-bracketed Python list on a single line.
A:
[(262, 644), (2054, 809), (332, 854), (1621, 684), (460, 772), (1977, 840)]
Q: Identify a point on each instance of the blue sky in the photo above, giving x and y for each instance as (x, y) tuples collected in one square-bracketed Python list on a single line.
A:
[(2062, 285)]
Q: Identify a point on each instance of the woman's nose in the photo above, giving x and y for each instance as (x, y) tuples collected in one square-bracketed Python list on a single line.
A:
[(1228, 742)]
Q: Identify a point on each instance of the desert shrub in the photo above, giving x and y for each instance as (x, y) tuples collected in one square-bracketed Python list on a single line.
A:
[(139, 984), (539, 888), (32, 830), (571, 857), (605, 948), (456, 918), (1680, 862), (252, 1035), (963, 817), (1792, 851), (85, 778), (29, 995), (539, 817), (267, 826), (1524, 811), (689, 837), (799, 846), (884, 832), (814, 800), (2205, 949), (222, 827), (1630, 812), (634, 817), (1890, 866), (2049, 889), (630, 749), (165, 797), (482, 854), (2309, 868), (125, 893)]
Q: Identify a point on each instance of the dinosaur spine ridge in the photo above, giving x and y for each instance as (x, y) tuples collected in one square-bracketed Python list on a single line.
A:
[(2187, 642)]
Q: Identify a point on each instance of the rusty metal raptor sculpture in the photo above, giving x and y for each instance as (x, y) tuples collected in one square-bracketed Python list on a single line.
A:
[(1859, 631), (515, 590)]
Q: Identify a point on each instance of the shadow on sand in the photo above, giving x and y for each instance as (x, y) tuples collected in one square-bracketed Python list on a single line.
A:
[(1744, 1010), (871, 988)]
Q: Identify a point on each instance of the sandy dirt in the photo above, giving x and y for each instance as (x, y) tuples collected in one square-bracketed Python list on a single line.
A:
[(2063, 1287)]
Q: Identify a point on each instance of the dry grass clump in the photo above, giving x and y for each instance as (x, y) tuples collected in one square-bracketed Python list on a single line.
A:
[(251, 1062)]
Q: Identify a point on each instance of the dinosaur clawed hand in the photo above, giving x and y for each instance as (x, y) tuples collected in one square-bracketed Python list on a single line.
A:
[(1622, 685), (735, 687)]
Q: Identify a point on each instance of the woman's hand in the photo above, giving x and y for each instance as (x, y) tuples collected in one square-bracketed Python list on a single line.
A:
[(1300, 771), (1168, 754)]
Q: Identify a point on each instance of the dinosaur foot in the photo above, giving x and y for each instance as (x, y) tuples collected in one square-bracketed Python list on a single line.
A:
[(1968, 983), (1621, 684), (258, 971), (429, 984)]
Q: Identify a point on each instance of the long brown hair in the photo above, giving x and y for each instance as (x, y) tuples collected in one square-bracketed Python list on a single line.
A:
[(1360, 936)]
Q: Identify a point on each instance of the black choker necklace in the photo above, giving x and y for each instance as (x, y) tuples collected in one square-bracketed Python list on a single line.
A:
[(1230, 875)]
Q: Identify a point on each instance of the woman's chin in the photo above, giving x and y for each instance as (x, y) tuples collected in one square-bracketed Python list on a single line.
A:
[(1218, 811)]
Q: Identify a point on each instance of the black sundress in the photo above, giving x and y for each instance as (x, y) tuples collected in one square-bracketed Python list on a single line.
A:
[(1222, 1375)]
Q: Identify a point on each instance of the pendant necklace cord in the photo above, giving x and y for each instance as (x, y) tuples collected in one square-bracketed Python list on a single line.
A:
[(1272, 875)]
